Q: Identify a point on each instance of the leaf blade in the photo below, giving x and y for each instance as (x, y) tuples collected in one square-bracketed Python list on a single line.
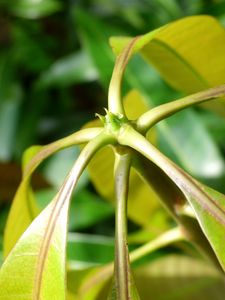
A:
[(28, 253), (175, 51), (182, 277), (42, 246), (33, 10), (24, 208)]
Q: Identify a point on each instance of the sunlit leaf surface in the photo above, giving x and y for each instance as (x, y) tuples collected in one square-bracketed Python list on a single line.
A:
[(176, 51), (35, 268)]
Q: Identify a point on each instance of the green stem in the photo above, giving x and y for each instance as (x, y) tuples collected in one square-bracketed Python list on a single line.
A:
[(79, 137), (175, 202), (150, 118), (157, 180), (171, 236), (130, 137), (190, 187), (114, 96), (86, 154), (122, 266)]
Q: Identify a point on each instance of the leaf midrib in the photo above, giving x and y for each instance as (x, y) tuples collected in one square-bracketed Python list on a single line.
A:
[(46, 241)]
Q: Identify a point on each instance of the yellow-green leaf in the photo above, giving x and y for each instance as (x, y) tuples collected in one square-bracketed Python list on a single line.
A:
[(94, 282), (179, 277), (195, 277), (182, 278), (35, 268), (24, 208), (71, 296), (189, 54), (211, 216)]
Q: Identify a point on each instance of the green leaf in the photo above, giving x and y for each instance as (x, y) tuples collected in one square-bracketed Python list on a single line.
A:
[(171, 131), (78, 273), (93, 38), (22, 212), (29, 154), (24, 208), (29, 42), (34, 9), (9, 112), (94, 281), (176, 277), (75, 68), (182, 277), (86, 253), (40, 252), (89, 249), (89, 210), (86, 209), (193, 158), (216, 126), (211, 215), (10, 101), (71, 296), (58, 166), (182, 50), (182, 134)]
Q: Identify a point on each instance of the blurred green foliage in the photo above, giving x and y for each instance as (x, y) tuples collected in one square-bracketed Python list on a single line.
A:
[(55, 67)]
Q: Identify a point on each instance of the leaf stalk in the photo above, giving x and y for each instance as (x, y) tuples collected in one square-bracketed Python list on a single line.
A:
[(122, 266), (153, 116)]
